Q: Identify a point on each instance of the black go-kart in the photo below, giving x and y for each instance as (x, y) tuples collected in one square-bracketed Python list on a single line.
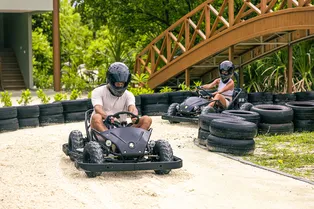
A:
[(190, 109), (120, 148)]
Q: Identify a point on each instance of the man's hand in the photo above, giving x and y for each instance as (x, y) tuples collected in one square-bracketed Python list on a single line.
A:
[(134, 120), (109, 120)]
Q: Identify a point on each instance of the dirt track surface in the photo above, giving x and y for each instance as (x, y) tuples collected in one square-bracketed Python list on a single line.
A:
[(35, 173)]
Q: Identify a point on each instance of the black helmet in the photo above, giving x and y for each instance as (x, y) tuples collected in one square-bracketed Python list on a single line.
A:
[(118, 72), (226, 69)]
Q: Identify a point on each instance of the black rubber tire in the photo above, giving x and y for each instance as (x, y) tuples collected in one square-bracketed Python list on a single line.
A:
[(139, 109), (274, 114), (11, 124), (303, 125), (268, 98), (202, 136), (31, 111), (246, 106), (304, 96), (154, 109), (178, 96), (75, 141), (138, 100), (150, 99), (93, 153), (275, 129), (50, 109), (233, 129), (303, 110), (208, 110), (281, 99), (47, 120), (172, 110), (205, 120), (255, 97), (8, 113), (236, 147), (70, 106), (163, 149), (28, 123), (74, 117), (247, 115)]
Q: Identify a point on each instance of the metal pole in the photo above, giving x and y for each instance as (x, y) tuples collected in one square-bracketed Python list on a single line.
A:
[(290, 68), (56, 46)]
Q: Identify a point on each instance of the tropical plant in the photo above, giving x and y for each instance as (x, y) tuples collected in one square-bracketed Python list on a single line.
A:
[(42, 96), (75, 94), (26, 97), (60, 96), (6, 98), (140, 79), (165, 89), (184, 87)]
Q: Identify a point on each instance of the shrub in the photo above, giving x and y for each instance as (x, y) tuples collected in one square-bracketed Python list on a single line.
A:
[(6, 98), (60, 96), (26, 97), (75, 94), (42, 96), (165, 89)]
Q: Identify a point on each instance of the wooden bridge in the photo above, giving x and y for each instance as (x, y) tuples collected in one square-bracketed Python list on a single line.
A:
[(193, 47)]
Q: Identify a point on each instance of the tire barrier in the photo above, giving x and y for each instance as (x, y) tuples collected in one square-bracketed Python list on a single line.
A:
[(303, 115), (74, 110), (50, 114), (281, 99), (274, 119), (304, 96), (247, 115), (28, 116), (154, 104), (260, 98), (232, 136), (8, 119)]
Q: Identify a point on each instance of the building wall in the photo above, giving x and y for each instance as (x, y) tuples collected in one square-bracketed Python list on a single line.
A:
[(26, 5), (18, 34)]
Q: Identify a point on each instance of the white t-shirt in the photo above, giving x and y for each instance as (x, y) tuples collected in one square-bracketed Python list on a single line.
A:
[(110, 103), (227, 93)]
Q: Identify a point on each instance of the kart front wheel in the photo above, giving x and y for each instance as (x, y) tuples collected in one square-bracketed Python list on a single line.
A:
[(172, 111), (92, 154), (75, 141), (164, 151)]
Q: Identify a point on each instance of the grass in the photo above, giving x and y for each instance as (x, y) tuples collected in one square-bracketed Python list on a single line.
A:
[(293, 153)]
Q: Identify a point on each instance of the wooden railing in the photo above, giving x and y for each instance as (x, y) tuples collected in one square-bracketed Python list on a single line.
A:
[(210, 21), (1, 77)]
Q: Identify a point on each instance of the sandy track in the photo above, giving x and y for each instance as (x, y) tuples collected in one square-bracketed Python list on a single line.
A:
[(35, 173)]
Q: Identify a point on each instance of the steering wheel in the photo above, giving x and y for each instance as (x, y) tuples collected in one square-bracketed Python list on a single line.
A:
[(203, 90), (117, 124)]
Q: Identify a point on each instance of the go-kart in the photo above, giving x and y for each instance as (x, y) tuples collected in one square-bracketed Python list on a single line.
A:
[(190, 109), (120, 148)]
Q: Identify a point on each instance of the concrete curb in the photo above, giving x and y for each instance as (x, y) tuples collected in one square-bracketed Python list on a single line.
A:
[(255, 165)]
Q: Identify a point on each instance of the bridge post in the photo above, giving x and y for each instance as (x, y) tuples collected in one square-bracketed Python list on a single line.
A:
[(56, 46), (290, 68), (187, 77)]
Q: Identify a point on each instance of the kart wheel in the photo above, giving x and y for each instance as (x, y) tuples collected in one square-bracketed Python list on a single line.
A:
[(208, 110), (246, 106), (163, 149), (75, 142), (172, 111), (92, 154)]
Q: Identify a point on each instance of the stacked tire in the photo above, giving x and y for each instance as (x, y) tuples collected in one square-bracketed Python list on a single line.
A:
[(232, 136), (303, 115), (28, 116), (305, 96), (246, 115), (260, 98), (8, 119), (138, 103), (282, 99), (204, 122), (50, 114), (74, 110), (179, 96), (154, 104), (274, 119)]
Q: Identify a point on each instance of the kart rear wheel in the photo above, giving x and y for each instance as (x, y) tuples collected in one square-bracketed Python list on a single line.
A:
[(75, 142), (172, 111), (163, 149), (92, 154)]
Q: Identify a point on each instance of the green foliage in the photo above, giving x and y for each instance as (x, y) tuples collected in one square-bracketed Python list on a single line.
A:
[(165, 89), (184, 87), (6, 98), (42, 96), (140, 79), (75, 94), (26, 97), (197, 83), (71, 80), (141, 90), (89, 95), (60, 96), (42, 60)]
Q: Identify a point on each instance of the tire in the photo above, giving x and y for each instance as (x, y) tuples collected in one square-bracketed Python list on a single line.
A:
[(255, 97), (150, 99), (303, 110), (9, 125), (283, 98), (233, 129), (236, 147), (75, 141), (155, 109), (275, 129), (70, 106), (138, 100), (202, 136), (208, 110), (246, 106), (274, 114), (205, 120), (303, 125), (50, 109), (93, 153), (47, 120), (28, 123), (27, 112), (178, 96), (8, 113), (304, 96), (172, 110), (247, 115), (74, 117), (163, 149)]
